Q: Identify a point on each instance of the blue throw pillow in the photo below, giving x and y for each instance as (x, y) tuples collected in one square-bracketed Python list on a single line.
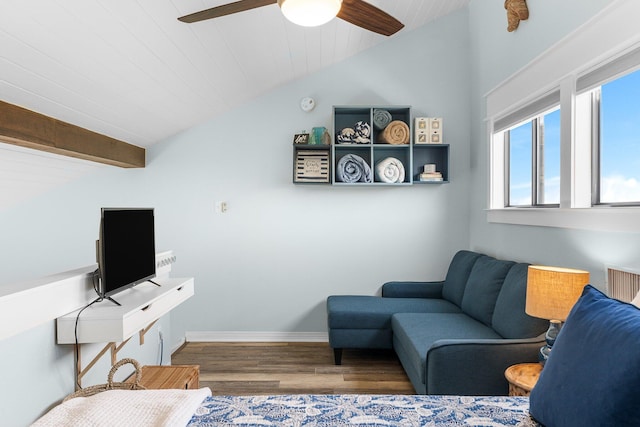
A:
[(592, 377)]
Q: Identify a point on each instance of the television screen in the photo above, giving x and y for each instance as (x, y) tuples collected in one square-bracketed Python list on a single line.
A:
[(127, 254)]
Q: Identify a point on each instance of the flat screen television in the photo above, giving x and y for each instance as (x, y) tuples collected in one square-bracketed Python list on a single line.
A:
[(126, 249)]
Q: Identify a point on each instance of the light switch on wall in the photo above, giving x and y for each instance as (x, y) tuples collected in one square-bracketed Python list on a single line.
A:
[(221, 207)]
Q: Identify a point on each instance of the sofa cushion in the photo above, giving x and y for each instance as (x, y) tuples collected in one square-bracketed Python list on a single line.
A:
[(483, 287), (457, 275), (372, 312), (592, 375), (509, 318), (415, 333)]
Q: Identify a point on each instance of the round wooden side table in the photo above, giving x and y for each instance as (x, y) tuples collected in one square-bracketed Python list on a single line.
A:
[(522, 377)]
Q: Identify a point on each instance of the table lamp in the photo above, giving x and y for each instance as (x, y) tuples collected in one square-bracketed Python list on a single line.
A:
[(551, 293)]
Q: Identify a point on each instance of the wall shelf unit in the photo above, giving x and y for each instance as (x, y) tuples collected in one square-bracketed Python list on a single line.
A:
[(437, 154), (374, 150), (370, 149)]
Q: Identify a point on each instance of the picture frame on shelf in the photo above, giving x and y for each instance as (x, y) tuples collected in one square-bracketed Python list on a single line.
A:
[(301, 138)]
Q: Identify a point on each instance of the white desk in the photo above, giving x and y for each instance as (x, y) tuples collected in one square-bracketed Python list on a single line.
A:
[(140, 306)]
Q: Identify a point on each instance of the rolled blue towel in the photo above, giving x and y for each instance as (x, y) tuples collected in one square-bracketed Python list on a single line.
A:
[(352, 168), (381, 118)]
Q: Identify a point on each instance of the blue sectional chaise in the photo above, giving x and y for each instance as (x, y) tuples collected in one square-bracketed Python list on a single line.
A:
[(455, 336)]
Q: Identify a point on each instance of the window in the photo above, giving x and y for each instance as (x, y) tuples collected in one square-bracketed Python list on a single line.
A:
[(549, 175), (533, 162), (598, 164), (617, 144), (519, 143), (607, 116)]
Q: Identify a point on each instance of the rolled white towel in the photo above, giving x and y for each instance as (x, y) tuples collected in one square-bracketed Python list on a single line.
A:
[(390, 170)]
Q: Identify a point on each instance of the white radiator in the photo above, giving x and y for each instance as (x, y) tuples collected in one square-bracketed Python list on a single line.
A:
[(623, 284)]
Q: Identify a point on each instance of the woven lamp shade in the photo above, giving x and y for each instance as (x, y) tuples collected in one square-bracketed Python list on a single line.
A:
[(552, 291)]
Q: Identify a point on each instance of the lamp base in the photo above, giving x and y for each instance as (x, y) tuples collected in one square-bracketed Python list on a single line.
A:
[(550, 338)]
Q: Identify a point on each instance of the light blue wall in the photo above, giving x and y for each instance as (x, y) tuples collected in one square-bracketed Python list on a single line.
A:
[(53, 233), (269, 263), (495, 55)]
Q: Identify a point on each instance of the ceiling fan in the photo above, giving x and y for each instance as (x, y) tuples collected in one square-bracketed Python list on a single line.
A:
[(312, 13)]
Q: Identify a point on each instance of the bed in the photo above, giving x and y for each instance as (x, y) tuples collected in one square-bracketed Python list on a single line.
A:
[(361, 410), (198, 408)]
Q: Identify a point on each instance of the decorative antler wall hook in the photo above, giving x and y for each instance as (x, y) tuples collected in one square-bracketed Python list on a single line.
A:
[(516, 11)]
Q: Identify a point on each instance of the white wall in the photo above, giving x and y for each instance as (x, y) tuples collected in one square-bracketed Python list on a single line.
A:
[(497, 54), (271, 261)]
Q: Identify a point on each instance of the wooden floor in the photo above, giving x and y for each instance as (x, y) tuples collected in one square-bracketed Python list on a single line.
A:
[(293, 368)]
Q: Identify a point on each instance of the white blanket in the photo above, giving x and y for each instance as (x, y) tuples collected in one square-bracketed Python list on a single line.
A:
[(390, 170), (126, 408)]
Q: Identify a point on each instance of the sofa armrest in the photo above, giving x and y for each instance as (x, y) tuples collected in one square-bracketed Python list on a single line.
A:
[(412, 289), (476, 367)]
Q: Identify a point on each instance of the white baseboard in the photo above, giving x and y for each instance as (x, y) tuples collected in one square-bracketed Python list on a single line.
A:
[(243, 336), (177, 345)]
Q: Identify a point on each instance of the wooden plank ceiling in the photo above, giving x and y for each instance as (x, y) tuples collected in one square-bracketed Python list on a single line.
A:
[(129, 70)]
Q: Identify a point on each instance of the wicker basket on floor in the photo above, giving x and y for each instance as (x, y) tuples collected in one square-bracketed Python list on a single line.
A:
[(110, 385)]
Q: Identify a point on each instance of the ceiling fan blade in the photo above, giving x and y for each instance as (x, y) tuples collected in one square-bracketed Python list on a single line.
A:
[(225, 9), (369, 17)]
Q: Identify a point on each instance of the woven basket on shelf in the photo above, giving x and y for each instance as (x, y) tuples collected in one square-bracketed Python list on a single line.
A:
[(110, 385)]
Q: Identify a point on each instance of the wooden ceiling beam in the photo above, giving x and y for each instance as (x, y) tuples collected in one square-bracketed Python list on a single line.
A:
[(26, 128)]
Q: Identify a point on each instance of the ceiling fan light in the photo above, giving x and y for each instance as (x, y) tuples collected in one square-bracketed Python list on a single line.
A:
[(310, 13)]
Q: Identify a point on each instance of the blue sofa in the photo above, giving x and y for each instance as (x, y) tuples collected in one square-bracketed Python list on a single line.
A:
[(455, 336)]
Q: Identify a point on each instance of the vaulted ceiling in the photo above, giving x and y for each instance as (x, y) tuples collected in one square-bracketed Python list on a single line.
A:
[(130, 70)]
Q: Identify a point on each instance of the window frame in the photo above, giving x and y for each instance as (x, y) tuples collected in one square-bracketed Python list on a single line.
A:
[(537, 162), (595, 146), (596, 141)]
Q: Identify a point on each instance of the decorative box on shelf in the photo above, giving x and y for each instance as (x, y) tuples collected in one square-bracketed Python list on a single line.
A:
[(312, 164), (428, 130)]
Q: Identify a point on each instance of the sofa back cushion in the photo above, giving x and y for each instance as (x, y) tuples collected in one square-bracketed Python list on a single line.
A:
[(456, 280), (509, 317), (483, 287)]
